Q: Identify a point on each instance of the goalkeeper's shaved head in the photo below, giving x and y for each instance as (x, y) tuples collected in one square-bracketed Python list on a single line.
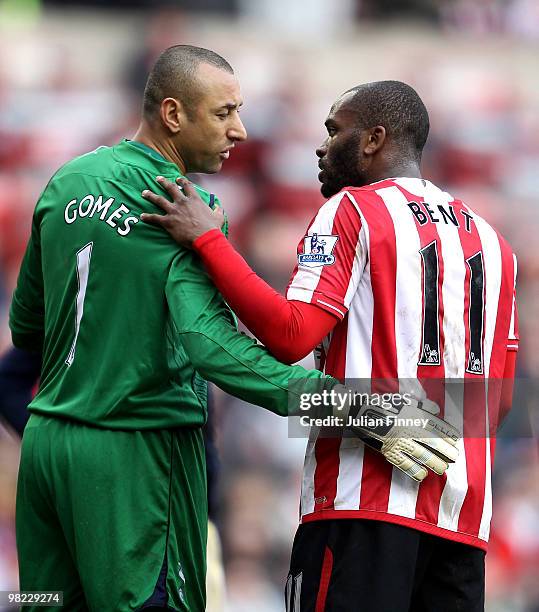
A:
[(174, 75), (191, 109)]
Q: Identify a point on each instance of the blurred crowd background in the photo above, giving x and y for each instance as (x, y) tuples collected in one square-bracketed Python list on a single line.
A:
[(71, 77)]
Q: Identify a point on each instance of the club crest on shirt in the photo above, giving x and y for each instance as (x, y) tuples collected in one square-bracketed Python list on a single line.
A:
[(317, 250)]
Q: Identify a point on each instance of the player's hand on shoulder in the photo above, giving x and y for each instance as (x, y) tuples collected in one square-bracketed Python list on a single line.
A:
[(187, 216)]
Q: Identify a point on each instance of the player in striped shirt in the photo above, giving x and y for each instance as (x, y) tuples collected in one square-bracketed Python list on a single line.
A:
[(396, 279)]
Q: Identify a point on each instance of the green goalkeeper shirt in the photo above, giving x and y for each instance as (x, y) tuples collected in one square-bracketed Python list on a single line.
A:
[(129, 323)]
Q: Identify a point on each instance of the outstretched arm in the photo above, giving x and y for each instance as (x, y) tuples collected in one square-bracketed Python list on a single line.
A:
[(289, 329), (220, 353)]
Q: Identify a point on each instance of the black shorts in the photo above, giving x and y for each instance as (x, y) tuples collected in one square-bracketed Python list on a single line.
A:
[(370, 566)]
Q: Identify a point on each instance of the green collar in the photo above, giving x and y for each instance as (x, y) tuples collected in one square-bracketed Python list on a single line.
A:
[(155, 154), (138, 154)]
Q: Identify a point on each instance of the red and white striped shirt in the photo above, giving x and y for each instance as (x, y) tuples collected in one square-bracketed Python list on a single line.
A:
[(424, 288)]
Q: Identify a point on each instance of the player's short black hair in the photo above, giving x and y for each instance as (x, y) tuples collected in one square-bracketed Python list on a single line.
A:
[(397, 107), (174, 75)]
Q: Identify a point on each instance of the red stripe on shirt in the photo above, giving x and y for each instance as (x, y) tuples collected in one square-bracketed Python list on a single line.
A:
[(498, 357), (377, 472), (299, 251), (335, 279), (474, 402), (327, 449)]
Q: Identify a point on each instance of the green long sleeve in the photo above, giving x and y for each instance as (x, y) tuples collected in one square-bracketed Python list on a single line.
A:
[(221, 354)]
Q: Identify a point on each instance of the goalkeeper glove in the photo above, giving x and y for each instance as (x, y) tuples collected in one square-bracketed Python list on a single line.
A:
[(410, 437)]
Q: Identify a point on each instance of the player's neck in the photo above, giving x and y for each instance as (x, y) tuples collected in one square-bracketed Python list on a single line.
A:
[(408, 169), (162, 145)]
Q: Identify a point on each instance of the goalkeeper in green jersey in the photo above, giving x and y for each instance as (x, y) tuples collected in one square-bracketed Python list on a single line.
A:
[(111, 498)]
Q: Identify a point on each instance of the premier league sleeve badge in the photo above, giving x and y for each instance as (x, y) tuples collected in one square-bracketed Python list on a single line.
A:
[(317, 251)]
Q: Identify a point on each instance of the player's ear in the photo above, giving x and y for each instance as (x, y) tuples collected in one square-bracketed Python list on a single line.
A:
[(172, 114), (374, 139)]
